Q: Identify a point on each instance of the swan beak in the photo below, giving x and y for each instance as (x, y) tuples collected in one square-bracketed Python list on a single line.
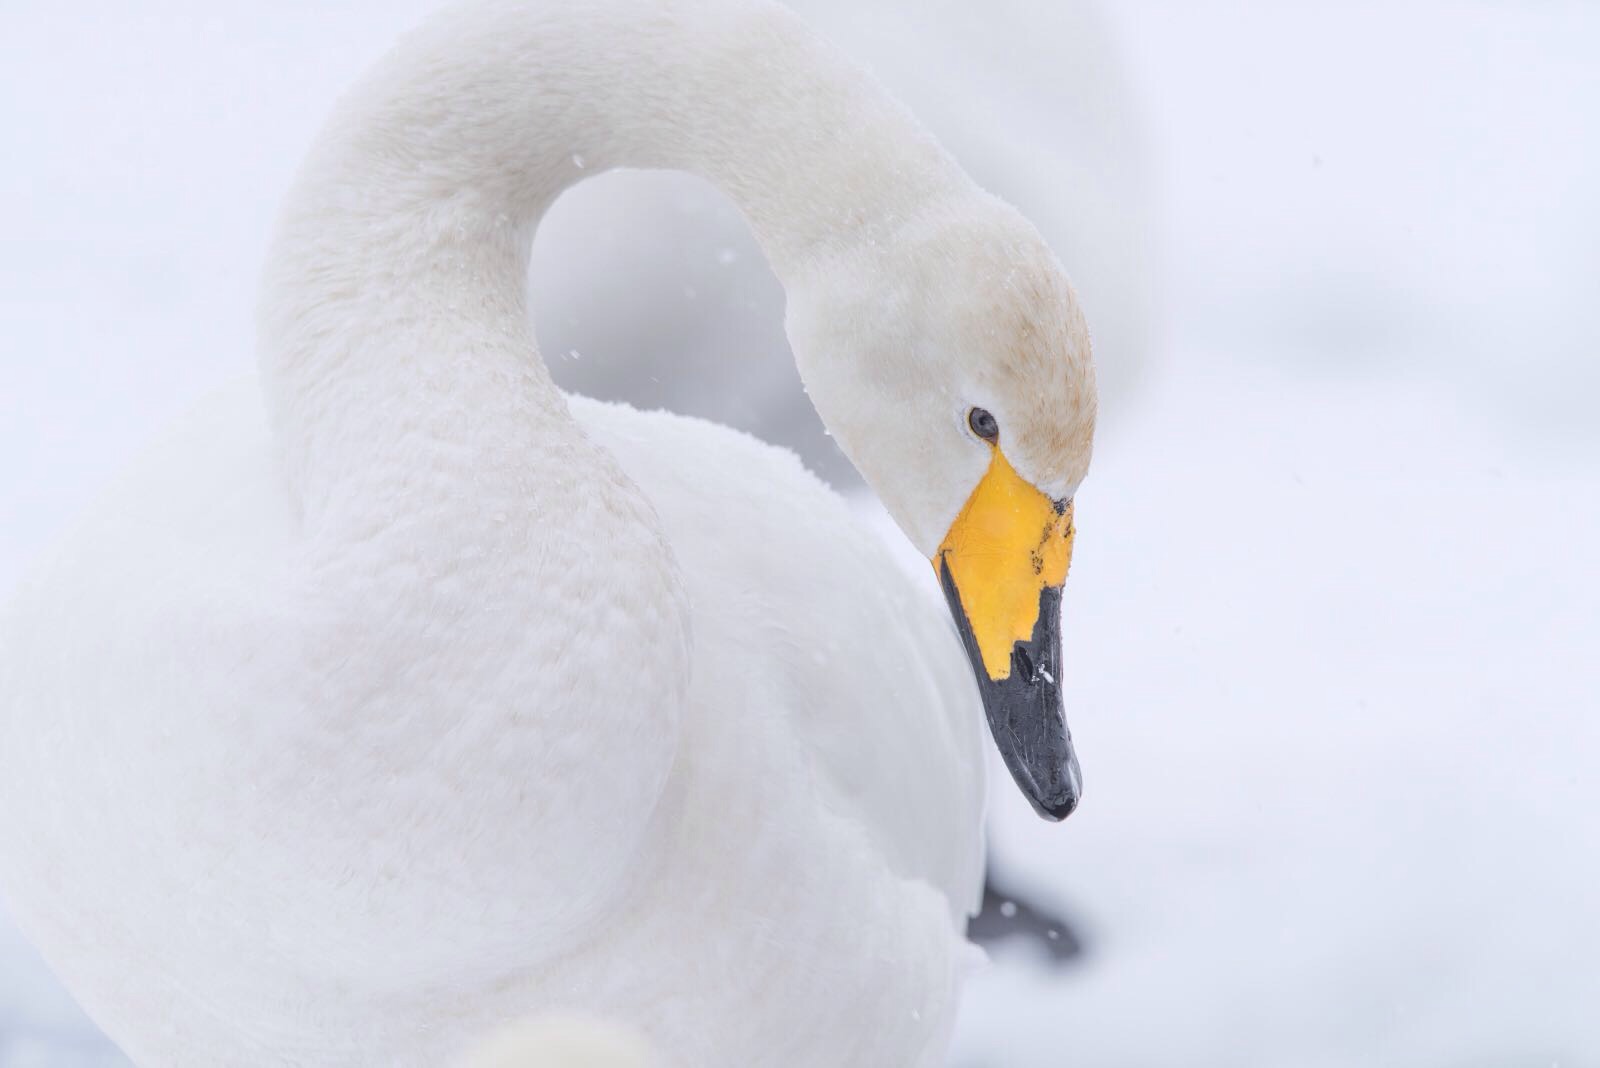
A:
[(1002, 566)]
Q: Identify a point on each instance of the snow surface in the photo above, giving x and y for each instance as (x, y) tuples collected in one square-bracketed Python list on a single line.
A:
[(1332, 625)]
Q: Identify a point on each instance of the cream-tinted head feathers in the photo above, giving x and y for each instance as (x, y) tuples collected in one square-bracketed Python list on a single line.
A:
[(899, 338)]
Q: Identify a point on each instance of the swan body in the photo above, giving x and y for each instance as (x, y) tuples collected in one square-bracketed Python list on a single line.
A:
[(562, 1042), (432, 919), (424, 698)]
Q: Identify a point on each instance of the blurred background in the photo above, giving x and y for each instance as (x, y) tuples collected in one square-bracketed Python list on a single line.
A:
[(1332, 626)]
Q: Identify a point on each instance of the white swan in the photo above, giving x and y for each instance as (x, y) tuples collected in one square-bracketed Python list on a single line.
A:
[(437, 698)]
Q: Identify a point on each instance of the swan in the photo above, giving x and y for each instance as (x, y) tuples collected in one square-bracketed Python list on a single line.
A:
[(394, 695)]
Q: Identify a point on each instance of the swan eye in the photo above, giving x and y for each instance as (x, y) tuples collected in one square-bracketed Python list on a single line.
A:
[(983, 424)]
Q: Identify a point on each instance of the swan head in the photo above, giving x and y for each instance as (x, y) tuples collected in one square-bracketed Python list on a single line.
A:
[(951, 363)]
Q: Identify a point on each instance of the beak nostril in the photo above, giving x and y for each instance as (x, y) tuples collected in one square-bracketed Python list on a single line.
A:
[(1022, 663)]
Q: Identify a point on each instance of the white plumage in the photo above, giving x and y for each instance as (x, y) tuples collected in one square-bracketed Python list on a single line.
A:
[(568, 1041), (706, 336), (426, 699)]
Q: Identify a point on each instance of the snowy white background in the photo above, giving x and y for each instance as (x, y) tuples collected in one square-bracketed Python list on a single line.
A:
[(1333, 621)]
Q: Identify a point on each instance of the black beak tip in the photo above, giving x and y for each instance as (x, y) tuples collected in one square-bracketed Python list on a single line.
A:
[(1024, 707), (1059, 798), (1056, 811)]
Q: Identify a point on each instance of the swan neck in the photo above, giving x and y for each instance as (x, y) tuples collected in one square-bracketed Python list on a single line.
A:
[(402, 259), (510, 102)]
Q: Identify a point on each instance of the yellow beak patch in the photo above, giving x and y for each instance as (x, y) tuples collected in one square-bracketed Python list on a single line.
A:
[(1009, 542)]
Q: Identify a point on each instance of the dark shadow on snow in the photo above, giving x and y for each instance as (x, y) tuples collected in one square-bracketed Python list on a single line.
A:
[(1007, 916)]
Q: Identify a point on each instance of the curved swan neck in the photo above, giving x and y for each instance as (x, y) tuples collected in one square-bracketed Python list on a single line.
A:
[(414, 215)]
